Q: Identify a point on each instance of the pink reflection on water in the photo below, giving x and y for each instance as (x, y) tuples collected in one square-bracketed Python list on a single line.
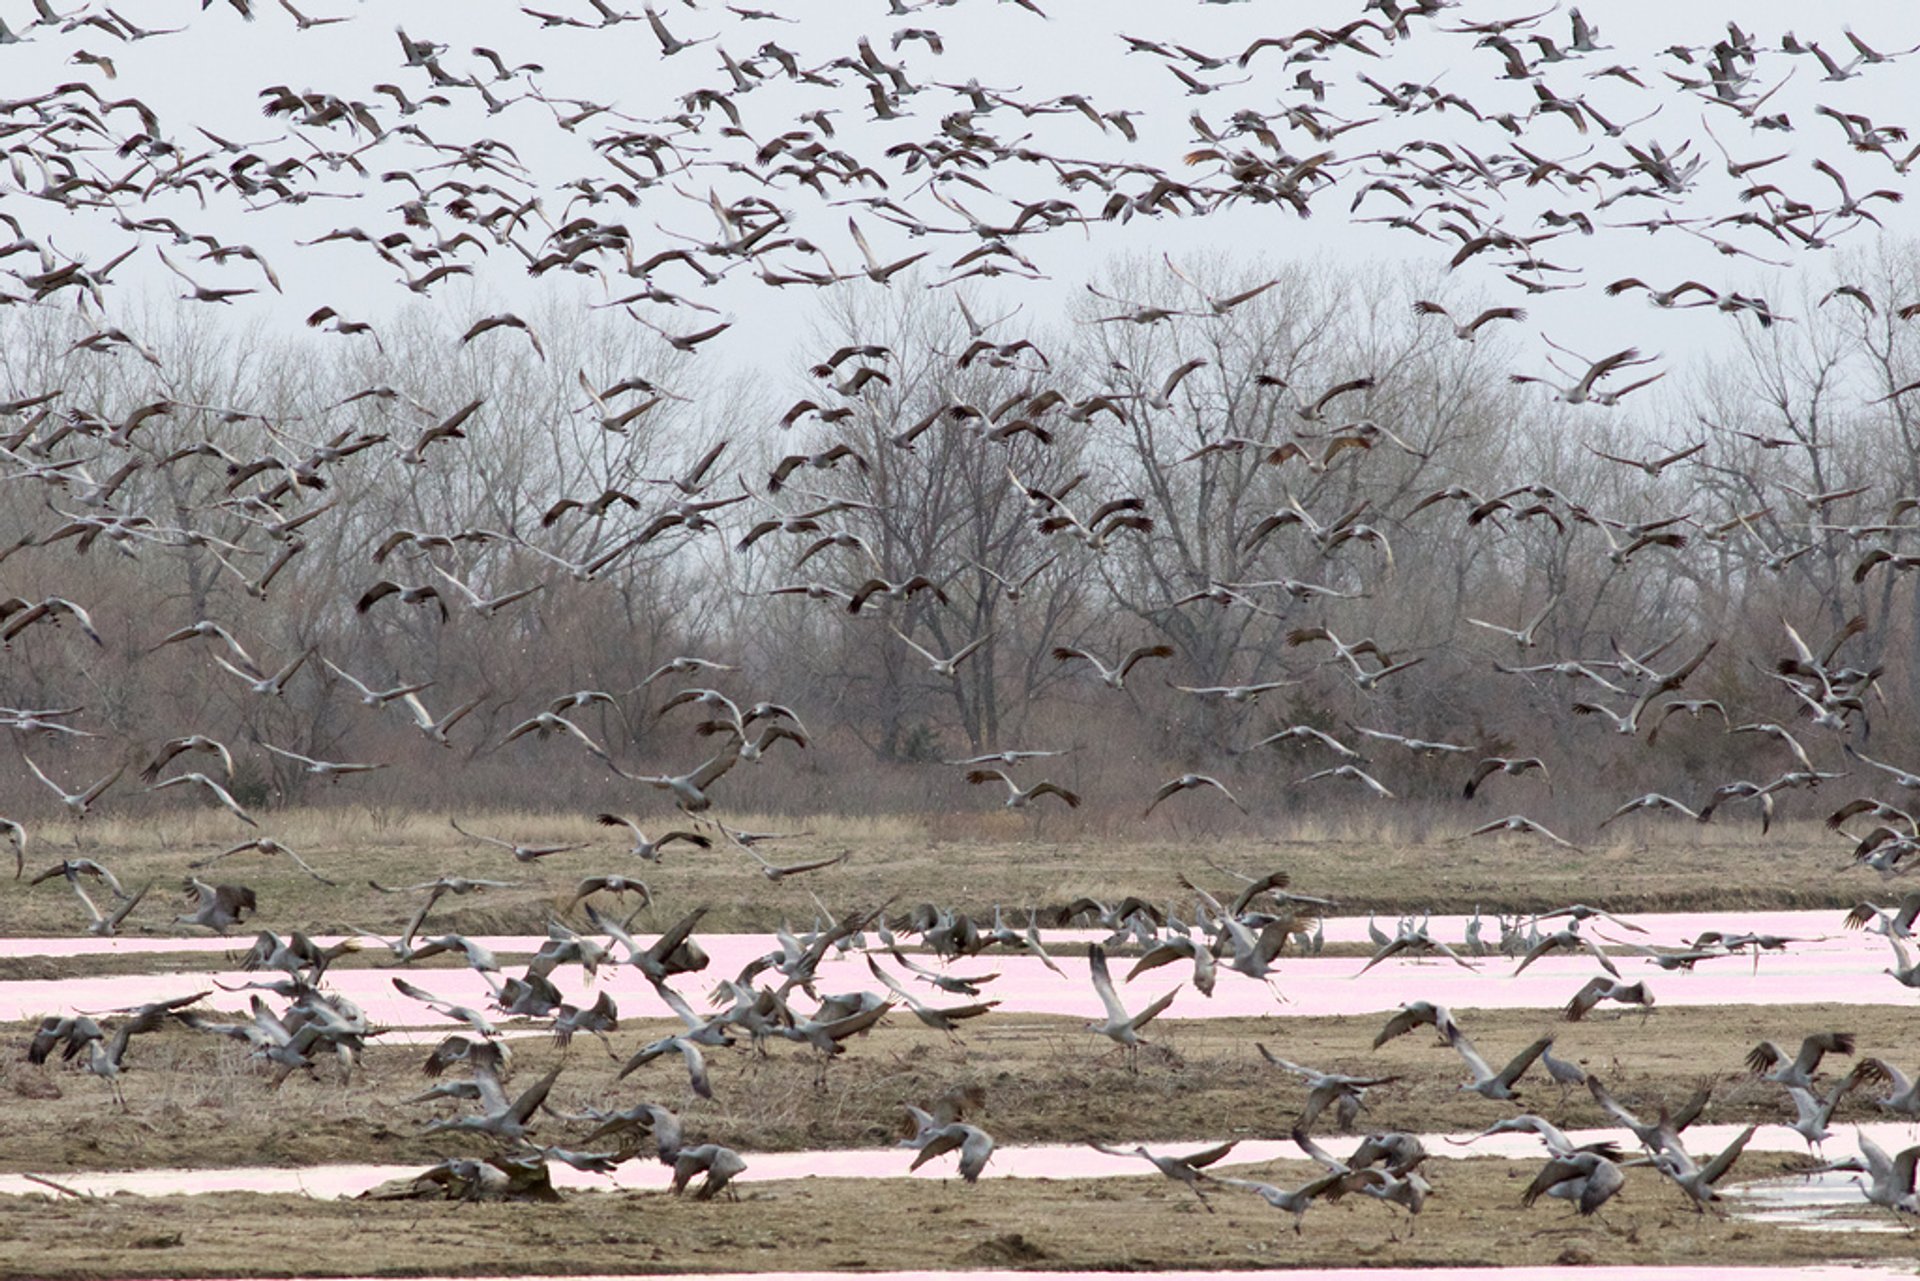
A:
[(1846, 969), (1663, 928), (1830, 963), (1040, 1161)]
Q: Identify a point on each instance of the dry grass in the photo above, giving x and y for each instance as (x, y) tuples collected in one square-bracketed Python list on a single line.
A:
[(976, 863)]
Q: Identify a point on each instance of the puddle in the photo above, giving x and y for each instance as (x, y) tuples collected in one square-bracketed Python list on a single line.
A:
[(1823, 928), (1303, 987), (1830, 1202), (1039, 1161)]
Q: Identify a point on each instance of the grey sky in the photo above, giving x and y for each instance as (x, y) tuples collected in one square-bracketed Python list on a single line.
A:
[(211, 75)]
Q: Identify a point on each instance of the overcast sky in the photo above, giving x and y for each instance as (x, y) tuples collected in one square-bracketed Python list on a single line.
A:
[(211, 75)]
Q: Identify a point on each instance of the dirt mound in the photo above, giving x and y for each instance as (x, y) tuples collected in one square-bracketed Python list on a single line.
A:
[(1009, 1249)]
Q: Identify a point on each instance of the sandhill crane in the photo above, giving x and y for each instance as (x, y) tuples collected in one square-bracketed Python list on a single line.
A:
[(1771, 1063), (521, 853), (1601, 988), (1418, 746), (18, 615), (974, 1144), (436, 731), (1020, 797), (1348, 771), (777, 872), (1588, 1180), (691, 1057), (1114, 677), (218, 907), (719, 1164), (1901, 777), (544, 725), (1742, 790), (220, 794), (332, 771), (208, 628), (1521, 823), (1181, 1169), (1187, 782), (1512, 766), (1904, 970), (1235, 693), (17, 837), (1779, 734), (448, 428), (186, 743), (1418, 1014), (944, 667), (100, 924), (1346, 1092), (79, 804), (263, 845), (1295, 1201), (1649, 801), (1903, 1096), (1467, 331), (1486, 1082), (1581, 392), (684, 666), (273, 685), (503, 1119), (1308, 734), (485, 606), (1693, 707), (104, 1056), (1697, 1180), (1120, 1027), (458, 1013), (1010, 757), (1897, 923), (1526, 636), (1567, 940), (1180, 947), (1890, 1180), (899, 591), (1252, 954), (1013, 584), (1413, 940), (650, 849), (690, 790), (942, 1019), (1813, 1113)]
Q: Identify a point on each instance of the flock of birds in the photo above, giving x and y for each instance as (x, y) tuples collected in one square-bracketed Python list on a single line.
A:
[(82, 475), (758, 1006)]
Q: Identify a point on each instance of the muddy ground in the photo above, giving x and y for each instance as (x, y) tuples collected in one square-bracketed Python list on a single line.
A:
[(197, 1100), (1130, 1224), (1649, 866)]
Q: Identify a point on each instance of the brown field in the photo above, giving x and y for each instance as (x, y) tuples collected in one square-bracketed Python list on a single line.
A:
[(195, 1100), (972, 862)]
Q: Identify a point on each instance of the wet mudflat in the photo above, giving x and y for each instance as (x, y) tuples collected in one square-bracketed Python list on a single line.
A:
[(824, 1224), (197, 1102), (194, 1100)]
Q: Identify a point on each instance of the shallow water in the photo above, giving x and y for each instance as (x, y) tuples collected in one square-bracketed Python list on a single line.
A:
[(1301, 987), (1663, 928), (1816, 1203), (1039, 1161)]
